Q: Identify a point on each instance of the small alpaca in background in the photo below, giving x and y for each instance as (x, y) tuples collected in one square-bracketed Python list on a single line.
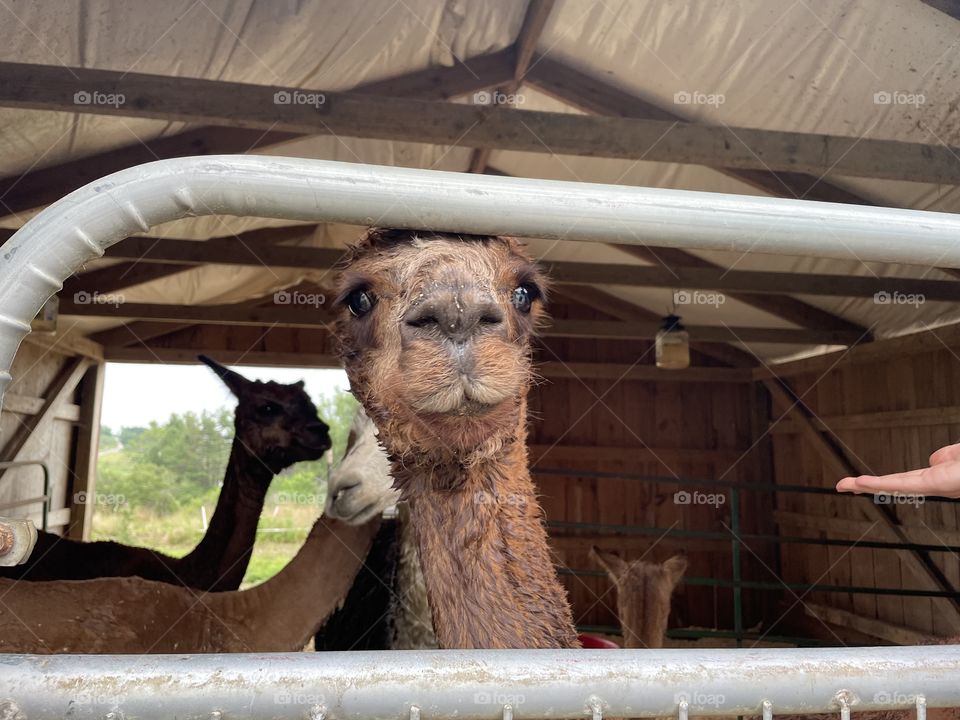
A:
[(644, 591)]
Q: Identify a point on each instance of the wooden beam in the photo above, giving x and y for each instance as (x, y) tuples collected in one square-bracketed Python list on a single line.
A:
[(849, 528), (782, 306), (706, 333), (42, 187), (85, 462), (929, 340), (735, 282), (66, 342), (895, 634), (948, 7), (49, 87), (534, 21), (523, 49), (620, 309), (59, 389), (837, 466), (544, 455), (593, 95), (921, 417), (312, 317), (249, 249), (118, 277), (136, 333), (255, 249), (188, 356), (555, 370), (26, 405)]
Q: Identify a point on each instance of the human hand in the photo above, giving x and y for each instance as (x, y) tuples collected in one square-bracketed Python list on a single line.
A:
[(942, 478)]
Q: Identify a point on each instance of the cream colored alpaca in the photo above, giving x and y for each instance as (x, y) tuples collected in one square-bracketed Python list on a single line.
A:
[(360, 488)]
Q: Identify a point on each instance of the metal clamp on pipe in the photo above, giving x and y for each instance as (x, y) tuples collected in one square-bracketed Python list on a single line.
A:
[(17, 539)]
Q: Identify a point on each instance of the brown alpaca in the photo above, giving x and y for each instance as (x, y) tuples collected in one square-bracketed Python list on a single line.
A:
[(133, 615), (644, 590), (276, 426), (435, 336)]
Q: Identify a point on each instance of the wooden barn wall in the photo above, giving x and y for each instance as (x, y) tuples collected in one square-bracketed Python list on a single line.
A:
[(34, 369), (886, 416), (669, 429)]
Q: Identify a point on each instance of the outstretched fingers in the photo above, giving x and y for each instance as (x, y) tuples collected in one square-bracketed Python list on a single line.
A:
[(942, 479)]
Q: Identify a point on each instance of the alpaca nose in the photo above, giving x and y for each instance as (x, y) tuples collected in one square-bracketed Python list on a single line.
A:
[(342, 491), (457, 315)]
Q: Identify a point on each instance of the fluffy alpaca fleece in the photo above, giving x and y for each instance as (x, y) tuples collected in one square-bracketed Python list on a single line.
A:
[(132, 615), (391, 587), (435, 336)]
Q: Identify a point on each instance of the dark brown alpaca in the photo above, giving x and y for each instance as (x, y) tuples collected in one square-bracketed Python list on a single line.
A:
[(276, 426), (435, 335)]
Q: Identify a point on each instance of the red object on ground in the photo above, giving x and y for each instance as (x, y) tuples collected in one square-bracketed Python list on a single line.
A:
[(593, 642)]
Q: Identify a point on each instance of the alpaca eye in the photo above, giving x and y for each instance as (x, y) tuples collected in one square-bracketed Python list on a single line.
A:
[(523, 296), (268, 409), (360, 302)]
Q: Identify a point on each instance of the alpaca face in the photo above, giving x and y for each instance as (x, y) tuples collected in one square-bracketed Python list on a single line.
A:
[(644, 590), (361, 486), (435, 333), (279, 424), (276, 423)]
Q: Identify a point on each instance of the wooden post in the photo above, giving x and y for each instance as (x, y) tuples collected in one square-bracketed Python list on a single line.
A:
[(85, 463)]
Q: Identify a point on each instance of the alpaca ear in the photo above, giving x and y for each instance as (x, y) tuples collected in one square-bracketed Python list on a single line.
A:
[(233, 380), (609, 561), (676, 567)]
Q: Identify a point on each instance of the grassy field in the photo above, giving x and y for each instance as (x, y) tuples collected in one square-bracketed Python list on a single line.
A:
[(283, 528)]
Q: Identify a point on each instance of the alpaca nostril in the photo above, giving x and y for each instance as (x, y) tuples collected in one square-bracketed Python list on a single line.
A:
[(338, 496)]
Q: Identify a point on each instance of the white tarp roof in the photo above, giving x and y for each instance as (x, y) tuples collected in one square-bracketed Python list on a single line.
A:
[(801, 65)]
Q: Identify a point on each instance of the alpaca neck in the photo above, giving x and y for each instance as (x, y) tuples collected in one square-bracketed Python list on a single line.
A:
[(644, 612), (284, 612), (482, 544), (220, 559)]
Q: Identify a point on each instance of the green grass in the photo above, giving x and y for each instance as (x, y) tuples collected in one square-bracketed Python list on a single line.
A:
[(282, 530)]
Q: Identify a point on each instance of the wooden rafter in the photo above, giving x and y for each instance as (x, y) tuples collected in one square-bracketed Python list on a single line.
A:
[(42, 187), (593, 95), (310, 317), (59, 389), (524, 48), (47, 87), (620, 309), (257, 248)]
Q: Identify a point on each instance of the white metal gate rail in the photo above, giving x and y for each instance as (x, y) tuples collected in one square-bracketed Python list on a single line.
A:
[(78, 228), (479, 684), (469, 685)]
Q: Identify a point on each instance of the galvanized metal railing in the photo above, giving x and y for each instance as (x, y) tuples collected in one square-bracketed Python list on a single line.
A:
[(470, 685), (479, 684)]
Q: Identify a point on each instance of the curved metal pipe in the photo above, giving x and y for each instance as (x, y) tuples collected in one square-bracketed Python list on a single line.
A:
[(78, 228)]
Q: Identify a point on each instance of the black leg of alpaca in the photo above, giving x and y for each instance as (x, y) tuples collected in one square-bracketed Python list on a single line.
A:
[(363, 623)]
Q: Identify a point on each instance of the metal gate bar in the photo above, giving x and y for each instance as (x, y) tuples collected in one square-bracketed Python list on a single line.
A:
[(479, 684), (79, 227)]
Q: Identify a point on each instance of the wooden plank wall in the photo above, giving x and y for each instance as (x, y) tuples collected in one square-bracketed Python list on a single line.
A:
[(33, 370), (888, 416), (698, 430)]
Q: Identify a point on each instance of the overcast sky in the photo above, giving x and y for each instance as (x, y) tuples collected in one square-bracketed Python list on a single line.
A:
[(136, 394)]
